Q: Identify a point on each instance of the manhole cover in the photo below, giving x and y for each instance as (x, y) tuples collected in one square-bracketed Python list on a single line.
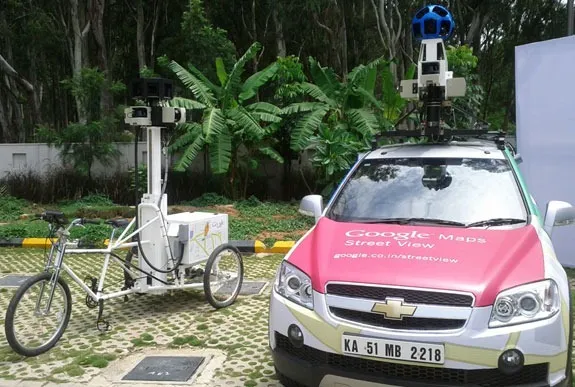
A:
[(165, 369), (13, 281), (248, 288)]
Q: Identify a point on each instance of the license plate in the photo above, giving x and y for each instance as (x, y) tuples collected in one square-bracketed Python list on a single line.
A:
[(393, 349)]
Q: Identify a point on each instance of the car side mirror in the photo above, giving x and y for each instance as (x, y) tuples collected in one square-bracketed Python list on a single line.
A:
[(518, 158), (312, 205), (558, 214)]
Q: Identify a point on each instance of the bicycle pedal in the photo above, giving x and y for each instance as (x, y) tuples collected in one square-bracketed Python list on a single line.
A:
[(103, 325)]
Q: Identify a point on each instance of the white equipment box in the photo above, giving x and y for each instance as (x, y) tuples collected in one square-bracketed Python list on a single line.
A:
[(201, 232)]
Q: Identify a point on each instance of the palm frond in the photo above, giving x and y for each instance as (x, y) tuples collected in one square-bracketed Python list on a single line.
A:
[(221, 71), (392, 100), (198, 74), (369, 97), (264, 107), (200, 90), (324, 77), (247, 122), (410, 73), (190, 153), (305, 128), (363, 121), (272, 154), (359, 73), (221, 152), (257, 80), (316, 92), (187, 103), (301, 107), (191, 131), (234, 78), (266, 117), (214, 124)]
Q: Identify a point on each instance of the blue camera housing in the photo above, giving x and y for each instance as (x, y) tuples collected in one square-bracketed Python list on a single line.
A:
[(432, 22)]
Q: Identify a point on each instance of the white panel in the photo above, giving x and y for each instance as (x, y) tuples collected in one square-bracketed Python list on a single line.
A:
[(19, 161), (546, 128)]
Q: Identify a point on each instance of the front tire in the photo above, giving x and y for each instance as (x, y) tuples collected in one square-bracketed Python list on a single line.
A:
[(10, 327)]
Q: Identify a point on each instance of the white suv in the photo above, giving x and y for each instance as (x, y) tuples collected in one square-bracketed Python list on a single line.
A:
[(430, 266)]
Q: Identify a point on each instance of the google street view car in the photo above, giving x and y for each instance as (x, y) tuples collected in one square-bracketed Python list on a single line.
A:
[(430, 266)]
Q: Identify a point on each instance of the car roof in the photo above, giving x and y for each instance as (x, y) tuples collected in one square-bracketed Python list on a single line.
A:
[(465, 149)]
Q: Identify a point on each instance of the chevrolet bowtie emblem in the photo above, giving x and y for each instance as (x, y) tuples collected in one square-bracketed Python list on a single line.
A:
[(393, 309)]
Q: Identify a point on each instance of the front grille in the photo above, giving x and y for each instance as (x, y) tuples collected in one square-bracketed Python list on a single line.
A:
[(411, 296), (415, 323), (535, 373)]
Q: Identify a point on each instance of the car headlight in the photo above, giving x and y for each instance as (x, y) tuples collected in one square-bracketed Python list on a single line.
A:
[(294, 285), (525, 303)]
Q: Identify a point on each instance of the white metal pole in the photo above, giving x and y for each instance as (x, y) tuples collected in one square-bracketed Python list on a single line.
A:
[(155, 161)]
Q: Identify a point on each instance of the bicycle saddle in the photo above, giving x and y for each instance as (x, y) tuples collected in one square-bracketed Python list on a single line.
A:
[(118, 223)]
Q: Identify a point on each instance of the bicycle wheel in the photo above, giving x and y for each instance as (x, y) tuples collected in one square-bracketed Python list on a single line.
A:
[(226, 289), (34, 305)]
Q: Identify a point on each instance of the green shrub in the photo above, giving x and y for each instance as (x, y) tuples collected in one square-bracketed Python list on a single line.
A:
[(11, 208), (209, 199)]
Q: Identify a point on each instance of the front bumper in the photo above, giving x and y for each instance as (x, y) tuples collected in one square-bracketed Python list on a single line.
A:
[(471, 354)]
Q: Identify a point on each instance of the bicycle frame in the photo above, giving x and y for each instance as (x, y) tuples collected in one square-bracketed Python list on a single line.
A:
[(120, 243)]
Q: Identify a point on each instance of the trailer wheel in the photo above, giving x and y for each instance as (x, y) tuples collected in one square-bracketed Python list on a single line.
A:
[(223, 276)]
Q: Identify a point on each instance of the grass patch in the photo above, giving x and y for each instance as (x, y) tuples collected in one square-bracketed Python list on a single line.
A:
[(145, 340), (248, 219), (7, 355), (70, 370), (95, 360), (186, 340)]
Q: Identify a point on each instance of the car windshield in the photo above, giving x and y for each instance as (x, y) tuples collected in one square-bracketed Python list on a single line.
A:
[(449, 189)]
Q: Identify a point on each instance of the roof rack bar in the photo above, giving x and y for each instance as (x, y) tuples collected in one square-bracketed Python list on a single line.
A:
[(445, 133), (498, 136)]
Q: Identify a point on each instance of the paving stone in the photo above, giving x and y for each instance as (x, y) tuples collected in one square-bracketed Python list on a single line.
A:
[(181, 321), (13, 280), (9, 383)]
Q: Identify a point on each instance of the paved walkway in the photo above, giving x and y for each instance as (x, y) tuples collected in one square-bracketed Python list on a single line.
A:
[(233, 340)]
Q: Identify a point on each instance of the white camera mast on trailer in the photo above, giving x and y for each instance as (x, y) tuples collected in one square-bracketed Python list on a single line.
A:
[(170, 248)]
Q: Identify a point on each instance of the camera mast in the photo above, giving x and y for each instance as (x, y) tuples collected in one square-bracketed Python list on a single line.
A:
[(435, 86)]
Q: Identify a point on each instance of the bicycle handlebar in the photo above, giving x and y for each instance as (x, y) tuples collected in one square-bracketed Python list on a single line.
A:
[(90, 221), (58, 218)]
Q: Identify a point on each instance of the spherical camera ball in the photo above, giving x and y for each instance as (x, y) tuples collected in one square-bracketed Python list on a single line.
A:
[(432, 22)]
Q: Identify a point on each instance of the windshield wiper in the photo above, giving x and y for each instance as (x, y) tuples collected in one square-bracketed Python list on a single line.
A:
[(496, 222), (413, 220)]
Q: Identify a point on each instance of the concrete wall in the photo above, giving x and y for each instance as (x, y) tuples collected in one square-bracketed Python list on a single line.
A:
[(43, 157)]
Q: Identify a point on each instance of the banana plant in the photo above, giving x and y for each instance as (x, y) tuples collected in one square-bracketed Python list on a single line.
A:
[(230, 117), (339, 121)]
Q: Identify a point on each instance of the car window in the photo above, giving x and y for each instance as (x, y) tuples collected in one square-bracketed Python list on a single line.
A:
[(454, 189)]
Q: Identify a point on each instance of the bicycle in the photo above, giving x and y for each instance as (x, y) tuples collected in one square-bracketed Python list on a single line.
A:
[(136, 280)]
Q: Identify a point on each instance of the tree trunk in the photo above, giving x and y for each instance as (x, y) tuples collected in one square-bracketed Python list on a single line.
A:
[(77, 54), (280, 39), (343, 42), (4, 124), (28, 88), (140, 35), (255, 34), (97, 8), (154, 31)]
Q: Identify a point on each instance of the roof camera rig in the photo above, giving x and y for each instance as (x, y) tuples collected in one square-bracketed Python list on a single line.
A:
[(154, 92), (435, 86)]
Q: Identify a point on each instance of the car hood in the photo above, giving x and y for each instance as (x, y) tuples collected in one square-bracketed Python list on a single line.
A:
[(479, 261)]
